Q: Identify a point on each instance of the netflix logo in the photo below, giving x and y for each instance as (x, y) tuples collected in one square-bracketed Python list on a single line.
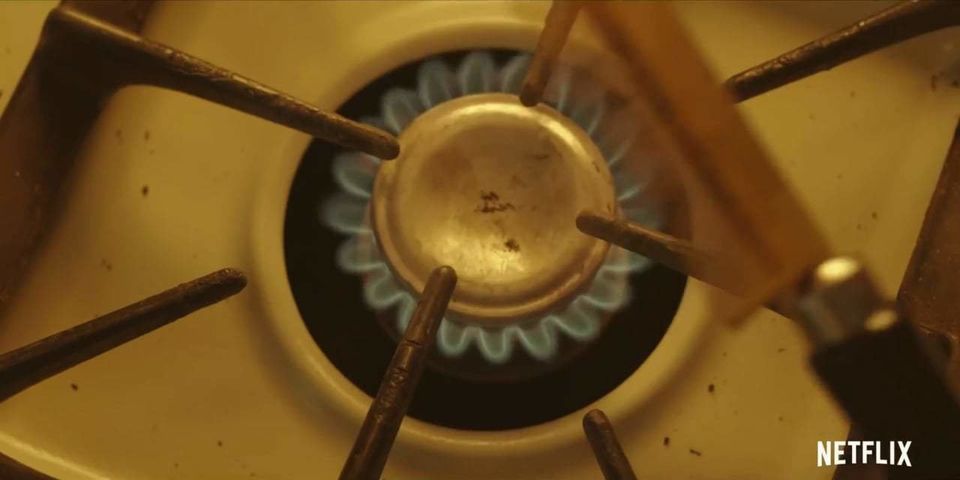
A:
[(856, 452)]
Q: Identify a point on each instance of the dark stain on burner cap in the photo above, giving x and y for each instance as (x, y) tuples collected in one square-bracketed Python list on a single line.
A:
[(492, 204)]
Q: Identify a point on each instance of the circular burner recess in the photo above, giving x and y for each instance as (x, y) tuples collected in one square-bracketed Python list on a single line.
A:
[(331, 303)]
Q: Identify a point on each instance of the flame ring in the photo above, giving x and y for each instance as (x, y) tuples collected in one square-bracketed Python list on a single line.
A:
[(347, 211)]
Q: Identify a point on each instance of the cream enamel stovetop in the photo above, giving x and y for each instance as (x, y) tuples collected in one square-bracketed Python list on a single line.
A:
[(240, 390)]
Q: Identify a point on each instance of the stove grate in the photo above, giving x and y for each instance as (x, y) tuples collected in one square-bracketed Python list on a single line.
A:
[(77, 39)]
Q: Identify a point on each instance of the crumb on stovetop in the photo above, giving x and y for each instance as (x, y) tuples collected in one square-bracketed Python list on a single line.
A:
[(666, 441), (74, 387), (696, 452), (145, 190), (512, 245), (711, 388)]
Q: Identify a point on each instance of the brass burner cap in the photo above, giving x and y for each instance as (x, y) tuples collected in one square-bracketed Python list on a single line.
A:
[(493, 188)]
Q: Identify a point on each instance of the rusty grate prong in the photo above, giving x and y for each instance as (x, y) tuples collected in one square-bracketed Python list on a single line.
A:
[(672, 252), (26, 366), (556, 28), (106, 54), (375, 439), (893, 25), (606, 448)]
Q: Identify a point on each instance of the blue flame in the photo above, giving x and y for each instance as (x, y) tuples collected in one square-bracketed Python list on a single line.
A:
[(345, 215), (359, 255), (355, 174), (347, 211), (540, 340)]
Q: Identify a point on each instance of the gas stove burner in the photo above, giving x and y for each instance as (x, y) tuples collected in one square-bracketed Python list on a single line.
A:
[(489, 186), (331, 271)]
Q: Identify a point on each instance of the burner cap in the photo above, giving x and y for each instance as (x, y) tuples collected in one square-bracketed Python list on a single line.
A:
[(492, 188)]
